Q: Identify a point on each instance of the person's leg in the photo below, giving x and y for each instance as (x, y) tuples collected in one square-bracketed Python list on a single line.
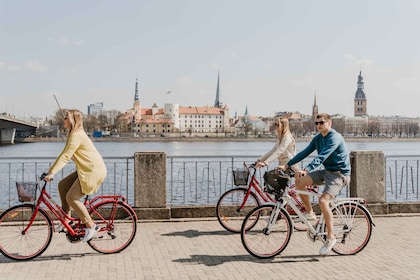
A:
[(73, 198), (324, 205), (334, 181), (63, 187), (301, 184)]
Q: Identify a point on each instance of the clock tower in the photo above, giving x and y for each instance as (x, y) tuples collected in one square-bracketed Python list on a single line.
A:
[(360, 101)]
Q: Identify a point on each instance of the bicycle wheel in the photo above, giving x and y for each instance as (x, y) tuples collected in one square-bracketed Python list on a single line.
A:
[(228, 211), (118, 226), (258, 240), (18, 245), (352, 228)]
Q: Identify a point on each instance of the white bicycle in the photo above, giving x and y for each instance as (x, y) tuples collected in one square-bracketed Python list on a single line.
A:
[(267, 229)]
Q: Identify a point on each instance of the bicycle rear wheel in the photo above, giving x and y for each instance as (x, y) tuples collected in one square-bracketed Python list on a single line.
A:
[(228, 211), (352, 227), (18, 245), (260, 241), (118, 226)]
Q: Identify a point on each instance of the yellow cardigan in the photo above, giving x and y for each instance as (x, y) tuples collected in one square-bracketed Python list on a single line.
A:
[(90, 166)]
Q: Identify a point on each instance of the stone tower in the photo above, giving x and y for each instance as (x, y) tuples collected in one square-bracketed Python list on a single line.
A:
[(137, 104), (360, 106)]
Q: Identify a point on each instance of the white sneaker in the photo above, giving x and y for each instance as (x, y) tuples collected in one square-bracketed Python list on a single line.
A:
[(328, 245), (90, 232)]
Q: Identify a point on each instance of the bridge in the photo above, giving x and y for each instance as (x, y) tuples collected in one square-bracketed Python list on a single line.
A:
[(14, 131)]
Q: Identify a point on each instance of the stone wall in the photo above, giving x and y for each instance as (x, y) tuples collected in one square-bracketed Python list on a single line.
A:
[(367, 181)]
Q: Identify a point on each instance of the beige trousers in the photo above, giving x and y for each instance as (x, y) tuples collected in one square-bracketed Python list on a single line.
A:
[(70, 194)]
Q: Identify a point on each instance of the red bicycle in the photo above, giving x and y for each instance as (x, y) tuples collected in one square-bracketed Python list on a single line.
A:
[(236, 203), (26, 230)]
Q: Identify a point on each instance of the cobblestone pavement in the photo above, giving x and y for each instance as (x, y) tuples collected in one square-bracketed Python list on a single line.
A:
[(203, 250)]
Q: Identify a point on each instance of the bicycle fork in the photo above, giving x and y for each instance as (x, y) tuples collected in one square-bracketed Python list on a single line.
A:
[(272, 219)]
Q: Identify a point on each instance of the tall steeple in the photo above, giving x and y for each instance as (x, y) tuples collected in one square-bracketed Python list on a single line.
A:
[(360, 101), (137, 104), (136, 92), (217, 102), (315, 107)]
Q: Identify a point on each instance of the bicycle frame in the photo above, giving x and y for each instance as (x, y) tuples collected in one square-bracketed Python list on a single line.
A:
[(46, 199), (314, 230), (255, 186)]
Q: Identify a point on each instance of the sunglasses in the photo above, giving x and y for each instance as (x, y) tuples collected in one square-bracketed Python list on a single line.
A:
[(321, 123)]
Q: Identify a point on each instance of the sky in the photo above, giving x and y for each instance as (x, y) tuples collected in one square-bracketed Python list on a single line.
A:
[(272, 55)]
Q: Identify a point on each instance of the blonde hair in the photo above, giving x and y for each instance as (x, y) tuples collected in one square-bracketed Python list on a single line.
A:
[(285, 128), (75, 118)]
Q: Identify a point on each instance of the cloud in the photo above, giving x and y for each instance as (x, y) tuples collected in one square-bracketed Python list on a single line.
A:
[(64, 40), (183, 80), (358, 62), (408, 84), (349, 57), (2, 65), (35, 66), (15, 68)]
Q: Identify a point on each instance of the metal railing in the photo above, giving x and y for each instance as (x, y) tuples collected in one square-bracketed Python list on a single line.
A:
[(402, 178), (120, 178), (191, 180)]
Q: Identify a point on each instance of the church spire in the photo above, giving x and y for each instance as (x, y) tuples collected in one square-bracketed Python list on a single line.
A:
[(315, 107), (136, 92), (217, 102)]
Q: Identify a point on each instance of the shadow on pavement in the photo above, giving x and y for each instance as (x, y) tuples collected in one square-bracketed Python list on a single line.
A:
[(211, 260), (63, 257), (195, 233)]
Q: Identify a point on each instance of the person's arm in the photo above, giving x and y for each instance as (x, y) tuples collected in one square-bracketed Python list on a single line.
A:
[(278, 150), (331, 144), (302, 154), (265, 159), (71, 147)]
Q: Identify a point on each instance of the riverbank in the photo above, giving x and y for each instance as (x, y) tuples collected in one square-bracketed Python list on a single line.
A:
[(215, 139)]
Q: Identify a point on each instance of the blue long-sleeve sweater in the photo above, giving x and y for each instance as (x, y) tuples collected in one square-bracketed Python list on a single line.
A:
[(332, 153)]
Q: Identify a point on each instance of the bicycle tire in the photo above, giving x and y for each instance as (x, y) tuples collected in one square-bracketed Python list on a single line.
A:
[(19, 246), (118, 226), (227, 209), (257, 241), (353, 226)]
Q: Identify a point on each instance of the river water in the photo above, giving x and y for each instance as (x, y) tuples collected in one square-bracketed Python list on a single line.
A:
[(200, 148), (398, 184)]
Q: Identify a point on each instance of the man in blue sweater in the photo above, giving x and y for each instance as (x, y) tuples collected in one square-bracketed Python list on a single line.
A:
[(333, 155)]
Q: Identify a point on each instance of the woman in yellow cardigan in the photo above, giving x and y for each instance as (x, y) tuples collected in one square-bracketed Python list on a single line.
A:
[(89, 175)]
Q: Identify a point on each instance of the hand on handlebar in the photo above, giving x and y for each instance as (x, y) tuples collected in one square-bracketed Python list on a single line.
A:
[(259, 164), (47, 177)]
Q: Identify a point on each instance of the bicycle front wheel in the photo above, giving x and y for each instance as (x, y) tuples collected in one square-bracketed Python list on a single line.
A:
[(264, 239), (229, 212), (352, 227), (118, 225), (18, 244)]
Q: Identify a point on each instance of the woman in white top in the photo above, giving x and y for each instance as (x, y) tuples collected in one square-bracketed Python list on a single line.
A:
[(284, 149)]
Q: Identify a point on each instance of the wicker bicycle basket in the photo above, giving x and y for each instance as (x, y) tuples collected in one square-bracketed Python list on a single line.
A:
[(26, 191), (240, 177)]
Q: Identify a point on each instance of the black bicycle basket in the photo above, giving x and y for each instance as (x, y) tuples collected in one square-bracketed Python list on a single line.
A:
[(275, 182)]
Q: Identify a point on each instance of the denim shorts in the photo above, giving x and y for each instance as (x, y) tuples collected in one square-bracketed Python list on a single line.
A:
[(334, 181)]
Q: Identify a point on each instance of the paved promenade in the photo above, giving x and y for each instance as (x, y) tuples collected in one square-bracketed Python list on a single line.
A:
[(203, 250)]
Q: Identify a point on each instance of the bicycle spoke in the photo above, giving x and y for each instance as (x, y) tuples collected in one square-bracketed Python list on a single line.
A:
[(117, 224), (353, 228), (17, 245), (232, 208), (264, 240)]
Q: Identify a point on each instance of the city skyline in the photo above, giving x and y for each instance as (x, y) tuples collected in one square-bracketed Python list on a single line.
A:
[(272, 56)]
